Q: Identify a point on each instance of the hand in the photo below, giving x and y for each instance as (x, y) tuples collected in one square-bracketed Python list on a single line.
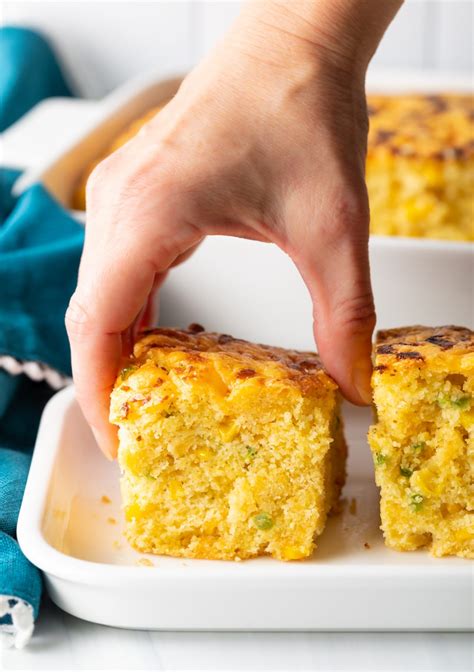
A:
[(265, 140)]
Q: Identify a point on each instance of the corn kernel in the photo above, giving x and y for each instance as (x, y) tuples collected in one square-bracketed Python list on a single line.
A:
[(463, 535), (467, 419), (204, 453), (228, 431), (175, 489), (416, 210), (132, 511), (293, 553), (425, 481), (433, 175)]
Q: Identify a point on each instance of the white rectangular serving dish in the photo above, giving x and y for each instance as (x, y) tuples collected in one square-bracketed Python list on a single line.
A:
[(415, 281), (353, 582), (251, 290)]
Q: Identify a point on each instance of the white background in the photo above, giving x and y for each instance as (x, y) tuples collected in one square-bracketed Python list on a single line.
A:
[(102, 44)]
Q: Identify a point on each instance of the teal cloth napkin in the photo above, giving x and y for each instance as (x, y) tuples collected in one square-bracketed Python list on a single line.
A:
[(19, 579), (40, 248), (29, 72)]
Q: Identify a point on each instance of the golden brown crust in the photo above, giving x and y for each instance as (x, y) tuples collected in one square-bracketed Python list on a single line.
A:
[(423, 126), (444, 338), (248, 359), (420, 344)]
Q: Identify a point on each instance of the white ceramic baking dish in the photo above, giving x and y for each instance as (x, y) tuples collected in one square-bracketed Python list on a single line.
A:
[(70, 529), (415, 281)]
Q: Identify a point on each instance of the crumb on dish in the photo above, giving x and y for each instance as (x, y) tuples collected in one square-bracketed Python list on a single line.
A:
[(145, 562)]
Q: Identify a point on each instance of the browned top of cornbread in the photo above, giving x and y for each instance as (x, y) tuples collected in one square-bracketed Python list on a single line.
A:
[(247, 360), (424, 126), (423, 343)]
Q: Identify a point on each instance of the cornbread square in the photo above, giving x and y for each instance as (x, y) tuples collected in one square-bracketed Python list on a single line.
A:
[(423, 440), (228, 450), (420, 165)]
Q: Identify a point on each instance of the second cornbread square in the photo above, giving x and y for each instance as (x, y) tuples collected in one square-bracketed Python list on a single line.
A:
[(423, 440), (227, 449)]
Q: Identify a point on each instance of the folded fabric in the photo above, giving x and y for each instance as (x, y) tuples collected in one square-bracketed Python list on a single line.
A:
[(20, 594), (40, 248), (29, 72), (20, 582)]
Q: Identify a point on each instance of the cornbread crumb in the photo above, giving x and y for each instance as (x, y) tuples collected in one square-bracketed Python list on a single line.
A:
[(112, 521), (242, 451), (423, 440), (105, 500), (145, 562)]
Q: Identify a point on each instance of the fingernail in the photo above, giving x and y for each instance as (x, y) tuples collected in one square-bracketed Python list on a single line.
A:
[(361, 378), (104, 444)]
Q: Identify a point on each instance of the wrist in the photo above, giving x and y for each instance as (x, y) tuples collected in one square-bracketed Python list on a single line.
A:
[(344, 34)]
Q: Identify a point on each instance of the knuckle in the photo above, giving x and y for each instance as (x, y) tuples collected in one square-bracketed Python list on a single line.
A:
[(356, 313), (347, 221), (102, 182), (348, 215), (98, 175), (350, 209), (78, 319), (121, 177)]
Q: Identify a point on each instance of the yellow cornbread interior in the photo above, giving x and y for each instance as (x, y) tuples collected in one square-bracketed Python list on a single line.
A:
[(423, 442), (224, 455), (420, 166)]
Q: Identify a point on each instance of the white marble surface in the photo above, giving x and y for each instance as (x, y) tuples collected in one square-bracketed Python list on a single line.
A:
[(62, 642)]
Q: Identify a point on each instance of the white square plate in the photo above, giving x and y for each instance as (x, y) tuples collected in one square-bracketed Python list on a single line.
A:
[(351, 583)]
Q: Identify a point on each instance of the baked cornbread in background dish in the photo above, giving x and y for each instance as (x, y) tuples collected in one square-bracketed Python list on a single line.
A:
[(79, 195), (228, 449), (423, 439), (420, 165)]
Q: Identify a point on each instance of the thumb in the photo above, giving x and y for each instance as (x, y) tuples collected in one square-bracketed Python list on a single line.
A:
[(335, 268)]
